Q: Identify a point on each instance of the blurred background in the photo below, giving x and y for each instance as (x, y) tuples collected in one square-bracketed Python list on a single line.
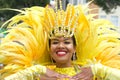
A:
[(106, 9)]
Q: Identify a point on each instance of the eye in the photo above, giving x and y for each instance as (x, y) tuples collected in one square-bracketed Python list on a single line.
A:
[(67, 42), (54, 42)]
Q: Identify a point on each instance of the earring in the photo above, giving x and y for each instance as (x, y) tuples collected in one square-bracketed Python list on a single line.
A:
[(74, 56), (51, 60)]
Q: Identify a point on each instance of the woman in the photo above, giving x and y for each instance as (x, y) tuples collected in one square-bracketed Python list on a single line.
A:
[(61, 50), (51, 38)]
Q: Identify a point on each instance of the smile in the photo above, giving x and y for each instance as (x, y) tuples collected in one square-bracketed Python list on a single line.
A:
[(61, 53)]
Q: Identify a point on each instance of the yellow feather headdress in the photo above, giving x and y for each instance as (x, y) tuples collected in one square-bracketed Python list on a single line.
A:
[(26, 43)]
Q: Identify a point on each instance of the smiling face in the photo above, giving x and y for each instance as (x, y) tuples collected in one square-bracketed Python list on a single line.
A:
[(61, 50)]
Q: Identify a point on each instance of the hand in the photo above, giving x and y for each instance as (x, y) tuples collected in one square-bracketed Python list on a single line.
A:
[(85, 74), (52, 75)]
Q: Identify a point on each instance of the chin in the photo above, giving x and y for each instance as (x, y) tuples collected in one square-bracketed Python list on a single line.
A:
[(62, 61)]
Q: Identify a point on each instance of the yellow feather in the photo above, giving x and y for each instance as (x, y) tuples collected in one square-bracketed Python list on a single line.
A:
[(26, 43)]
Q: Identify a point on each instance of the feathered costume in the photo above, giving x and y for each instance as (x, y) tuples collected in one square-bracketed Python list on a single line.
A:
[(24, 50)]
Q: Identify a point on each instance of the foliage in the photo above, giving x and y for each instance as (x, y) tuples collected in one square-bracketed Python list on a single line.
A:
[(23, 3), (17, 4), (107, 5)]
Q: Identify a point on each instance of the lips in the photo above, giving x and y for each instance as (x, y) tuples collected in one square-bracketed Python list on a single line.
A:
[(61, 53)]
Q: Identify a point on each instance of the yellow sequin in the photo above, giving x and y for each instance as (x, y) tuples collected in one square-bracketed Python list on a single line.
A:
[(69, 71)]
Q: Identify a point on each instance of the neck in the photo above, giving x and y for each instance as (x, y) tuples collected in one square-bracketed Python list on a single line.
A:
[(63, 65)]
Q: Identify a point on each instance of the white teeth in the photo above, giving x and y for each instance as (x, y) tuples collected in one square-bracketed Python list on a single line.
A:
[(61, 52)]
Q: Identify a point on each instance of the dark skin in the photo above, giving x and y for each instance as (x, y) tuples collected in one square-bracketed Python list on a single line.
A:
[(85, 74)]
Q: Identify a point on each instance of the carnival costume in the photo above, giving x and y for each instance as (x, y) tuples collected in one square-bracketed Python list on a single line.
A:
[(25, 48)]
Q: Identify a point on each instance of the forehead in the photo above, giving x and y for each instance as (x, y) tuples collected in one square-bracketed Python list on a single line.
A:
[(62, 38)]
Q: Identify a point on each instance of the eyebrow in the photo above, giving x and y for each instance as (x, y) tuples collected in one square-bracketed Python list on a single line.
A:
[(67, 39), (57, 39), (54, 39)]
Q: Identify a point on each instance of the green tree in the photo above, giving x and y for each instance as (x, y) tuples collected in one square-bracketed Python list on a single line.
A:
[(107, 5), (22, 3), (17, 4)]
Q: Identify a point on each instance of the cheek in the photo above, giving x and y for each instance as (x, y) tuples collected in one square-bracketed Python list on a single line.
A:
[(71, 48), (52, 48)]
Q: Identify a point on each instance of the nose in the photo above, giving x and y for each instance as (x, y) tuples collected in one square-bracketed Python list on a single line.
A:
[(61, 45)]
